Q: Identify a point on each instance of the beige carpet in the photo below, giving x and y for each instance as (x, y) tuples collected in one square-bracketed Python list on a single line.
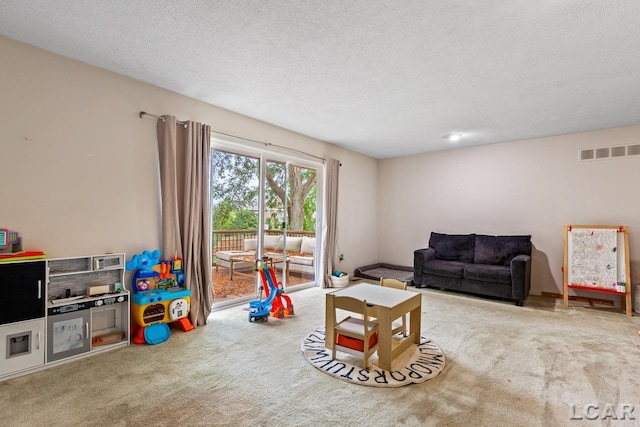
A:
[(506, 366)]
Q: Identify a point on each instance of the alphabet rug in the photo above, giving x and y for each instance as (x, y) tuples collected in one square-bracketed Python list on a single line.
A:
[(416, 364)]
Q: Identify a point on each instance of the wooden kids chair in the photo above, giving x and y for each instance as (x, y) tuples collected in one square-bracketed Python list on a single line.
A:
[(353, 335), (396, 284)]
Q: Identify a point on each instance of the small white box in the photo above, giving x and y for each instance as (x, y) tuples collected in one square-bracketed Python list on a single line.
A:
[(340, 282), (108, 262)]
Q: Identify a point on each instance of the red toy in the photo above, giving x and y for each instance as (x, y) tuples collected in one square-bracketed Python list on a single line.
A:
[(281, 305)]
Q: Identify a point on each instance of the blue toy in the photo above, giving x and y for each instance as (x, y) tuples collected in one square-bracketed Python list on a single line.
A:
[(158, 298), (259, 309), (144, 262)]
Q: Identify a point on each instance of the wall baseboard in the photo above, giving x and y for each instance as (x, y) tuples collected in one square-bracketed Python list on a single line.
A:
[(608, 303)]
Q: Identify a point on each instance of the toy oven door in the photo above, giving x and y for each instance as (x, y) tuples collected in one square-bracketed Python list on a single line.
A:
[(68, 334), (106, 319)]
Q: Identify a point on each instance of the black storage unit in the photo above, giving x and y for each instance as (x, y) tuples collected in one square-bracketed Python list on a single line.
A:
[(22, 291)]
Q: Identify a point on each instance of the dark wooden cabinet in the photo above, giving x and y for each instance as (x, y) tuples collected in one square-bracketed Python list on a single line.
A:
[(22, 291)]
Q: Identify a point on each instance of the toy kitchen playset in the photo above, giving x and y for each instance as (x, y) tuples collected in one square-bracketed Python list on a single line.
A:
[(61, 309)]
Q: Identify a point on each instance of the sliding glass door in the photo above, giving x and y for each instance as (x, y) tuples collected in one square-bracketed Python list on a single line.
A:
[(235, 217), (264, 211), (290, 220), (275, 217)]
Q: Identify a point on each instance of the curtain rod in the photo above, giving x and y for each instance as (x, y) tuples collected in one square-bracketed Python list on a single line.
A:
[(269, 144), (266, 144), (144, 113)]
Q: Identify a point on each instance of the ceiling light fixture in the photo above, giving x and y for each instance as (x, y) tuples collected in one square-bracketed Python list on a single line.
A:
[(454, 137)]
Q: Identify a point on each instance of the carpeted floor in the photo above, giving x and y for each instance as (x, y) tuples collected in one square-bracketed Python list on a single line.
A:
[(506, 366)]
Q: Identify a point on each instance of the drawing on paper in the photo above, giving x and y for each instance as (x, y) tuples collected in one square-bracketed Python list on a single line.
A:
[(593, 261)]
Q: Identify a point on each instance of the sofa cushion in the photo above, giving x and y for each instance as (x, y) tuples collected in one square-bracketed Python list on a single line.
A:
[(293, 244), (226, 255), (270, 242), (249, 244), (308, 245), (487, 251), (444, 268), (514, 246), (301, 260), (453, 247), (500, 250), (488, 273)]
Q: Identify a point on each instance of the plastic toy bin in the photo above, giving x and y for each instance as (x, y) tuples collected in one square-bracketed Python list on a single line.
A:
[(340, 282)]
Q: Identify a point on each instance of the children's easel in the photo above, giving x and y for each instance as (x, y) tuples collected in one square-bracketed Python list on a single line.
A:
[(596, 259)]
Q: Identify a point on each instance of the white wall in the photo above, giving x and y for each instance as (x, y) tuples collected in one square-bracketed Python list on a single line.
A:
[(79, 174), (78, 168), (524, 187)]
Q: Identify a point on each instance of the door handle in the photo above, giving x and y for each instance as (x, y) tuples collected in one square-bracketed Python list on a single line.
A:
[(39, 289), (38, 338), (86, 328)]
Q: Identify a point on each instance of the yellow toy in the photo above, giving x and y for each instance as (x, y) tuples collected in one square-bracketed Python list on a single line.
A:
[(158, 299)]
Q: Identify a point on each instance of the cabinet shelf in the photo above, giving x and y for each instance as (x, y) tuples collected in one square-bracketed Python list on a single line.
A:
[(67, 273), (82, 265)]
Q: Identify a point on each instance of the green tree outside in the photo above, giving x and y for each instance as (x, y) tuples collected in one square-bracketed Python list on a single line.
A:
[(234, 190)]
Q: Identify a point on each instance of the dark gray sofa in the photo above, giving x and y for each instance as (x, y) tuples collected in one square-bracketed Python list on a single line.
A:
[(496, 266)]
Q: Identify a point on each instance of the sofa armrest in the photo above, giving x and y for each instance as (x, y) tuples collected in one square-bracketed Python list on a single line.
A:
[(521, 277), (420, 256)]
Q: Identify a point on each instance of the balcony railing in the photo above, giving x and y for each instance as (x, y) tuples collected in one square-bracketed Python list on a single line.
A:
[(231, 240)]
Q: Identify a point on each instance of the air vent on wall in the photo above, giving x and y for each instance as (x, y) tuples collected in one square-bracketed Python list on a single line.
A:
[(601, 153), (619, 151), (587, 154), (633, 150)]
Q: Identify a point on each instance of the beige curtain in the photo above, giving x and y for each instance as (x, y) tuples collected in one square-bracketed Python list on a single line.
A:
[(186, 211), (331, 220)]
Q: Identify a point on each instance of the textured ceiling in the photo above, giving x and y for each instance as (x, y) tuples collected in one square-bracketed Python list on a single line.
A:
[(384, 78)]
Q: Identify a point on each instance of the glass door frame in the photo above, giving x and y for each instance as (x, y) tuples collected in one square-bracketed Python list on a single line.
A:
[(266, 153), (264, 161)]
